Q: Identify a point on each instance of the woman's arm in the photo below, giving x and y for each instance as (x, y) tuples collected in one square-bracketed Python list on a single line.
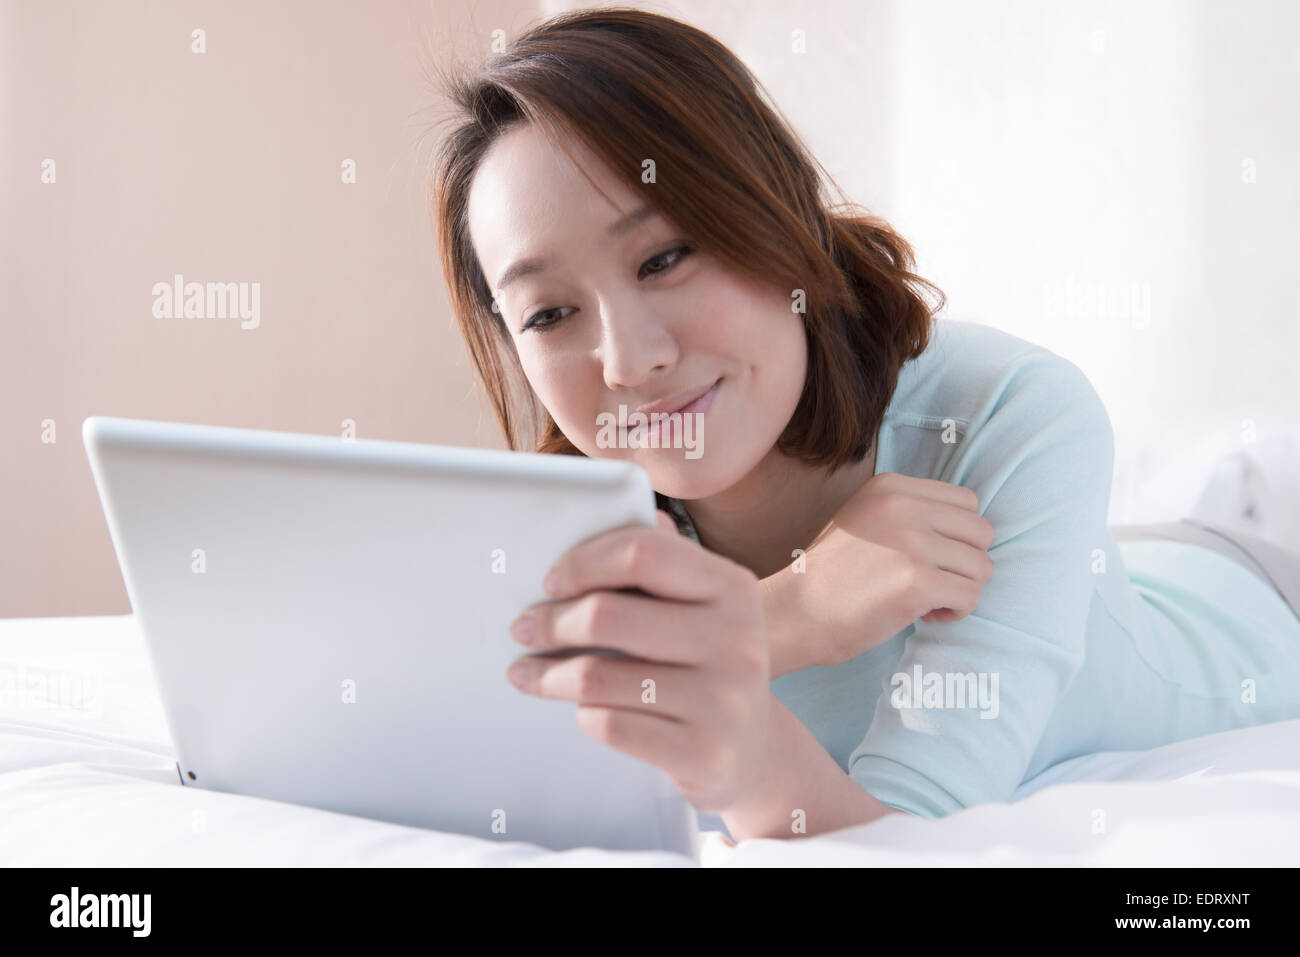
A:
[(1039, 453), (787, 629), (802, 791), (901, 548)]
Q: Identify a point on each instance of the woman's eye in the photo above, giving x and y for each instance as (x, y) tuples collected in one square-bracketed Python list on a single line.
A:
[(538, 320), (535, 321), (684, 250)]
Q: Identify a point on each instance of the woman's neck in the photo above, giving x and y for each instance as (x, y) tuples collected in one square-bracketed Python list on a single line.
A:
[(781, 505)]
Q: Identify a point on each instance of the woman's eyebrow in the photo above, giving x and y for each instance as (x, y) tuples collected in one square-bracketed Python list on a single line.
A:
[(625, 223), (535, 264)]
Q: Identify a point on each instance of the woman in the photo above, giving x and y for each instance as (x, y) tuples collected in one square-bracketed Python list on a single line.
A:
[(895, 591)]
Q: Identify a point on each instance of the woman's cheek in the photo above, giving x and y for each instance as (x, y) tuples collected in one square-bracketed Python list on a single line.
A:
[(572, 411), (545, 380)]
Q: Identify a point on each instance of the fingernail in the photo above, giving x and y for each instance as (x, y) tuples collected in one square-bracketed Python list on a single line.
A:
[(551, 584), (523, 630), (517, 674)]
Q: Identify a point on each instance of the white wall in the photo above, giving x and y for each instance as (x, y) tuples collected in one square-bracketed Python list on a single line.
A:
[(1117, 181)]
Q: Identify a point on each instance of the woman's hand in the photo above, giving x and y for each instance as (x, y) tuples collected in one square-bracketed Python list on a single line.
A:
[(694, 698), (900, 549)]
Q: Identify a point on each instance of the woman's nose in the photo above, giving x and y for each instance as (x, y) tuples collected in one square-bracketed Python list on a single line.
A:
[(632, 347)]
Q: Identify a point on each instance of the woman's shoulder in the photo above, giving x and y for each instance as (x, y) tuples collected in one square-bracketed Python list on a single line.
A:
[(976, 381), (969, 371)]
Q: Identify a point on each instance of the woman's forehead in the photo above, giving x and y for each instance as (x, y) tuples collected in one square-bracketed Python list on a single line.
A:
[(528, 192), (524, 169)]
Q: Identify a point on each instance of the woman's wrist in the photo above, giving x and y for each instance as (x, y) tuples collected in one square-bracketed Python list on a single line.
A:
[(791, 646), (800, 790), (776, 619), (761, 810)]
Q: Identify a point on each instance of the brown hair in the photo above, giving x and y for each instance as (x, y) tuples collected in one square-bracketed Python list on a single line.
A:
[(731, 173)]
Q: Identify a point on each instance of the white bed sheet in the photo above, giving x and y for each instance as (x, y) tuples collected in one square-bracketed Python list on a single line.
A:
[(87, 779)]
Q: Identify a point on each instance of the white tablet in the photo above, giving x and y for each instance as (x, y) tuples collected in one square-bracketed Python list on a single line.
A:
[(328, 620)]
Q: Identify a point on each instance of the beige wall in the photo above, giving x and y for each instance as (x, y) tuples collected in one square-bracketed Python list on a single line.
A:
[(220, 166)]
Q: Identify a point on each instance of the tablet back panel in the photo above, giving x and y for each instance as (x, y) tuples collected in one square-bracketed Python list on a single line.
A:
[(328, 624)]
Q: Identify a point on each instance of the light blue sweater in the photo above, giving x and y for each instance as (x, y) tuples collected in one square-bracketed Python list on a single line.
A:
[(1079, 644)]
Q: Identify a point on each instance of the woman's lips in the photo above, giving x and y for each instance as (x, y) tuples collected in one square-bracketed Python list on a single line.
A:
[(703, 402), (664, 408), (664, 426)]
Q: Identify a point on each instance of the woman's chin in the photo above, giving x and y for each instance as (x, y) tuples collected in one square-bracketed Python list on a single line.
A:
[(679, 473), (686, 480)]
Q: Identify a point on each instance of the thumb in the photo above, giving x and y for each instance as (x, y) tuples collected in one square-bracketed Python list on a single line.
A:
[(665, 520)]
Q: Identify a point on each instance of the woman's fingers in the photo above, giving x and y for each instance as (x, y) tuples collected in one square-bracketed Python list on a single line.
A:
[(959, 557), (640, 591), (648, 737), (942, 614), (668, 691), (950, 509), (961, 524), (958, 574), (933, 489), (637, 625), (956, 594), (655, 560)]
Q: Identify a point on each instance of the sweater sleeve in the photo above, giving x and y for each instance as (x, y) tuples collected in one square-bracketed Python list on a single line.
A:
[(1039, 454)]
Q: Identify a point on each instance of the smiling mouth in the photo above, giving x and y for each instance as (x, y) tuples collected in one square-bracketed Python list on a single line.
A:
[(687, 406), (695, 404), (667, 426)]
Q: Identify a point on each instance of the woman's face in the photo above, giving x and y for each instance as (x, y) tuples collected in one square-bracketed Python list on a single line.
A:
[(625, 316)]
